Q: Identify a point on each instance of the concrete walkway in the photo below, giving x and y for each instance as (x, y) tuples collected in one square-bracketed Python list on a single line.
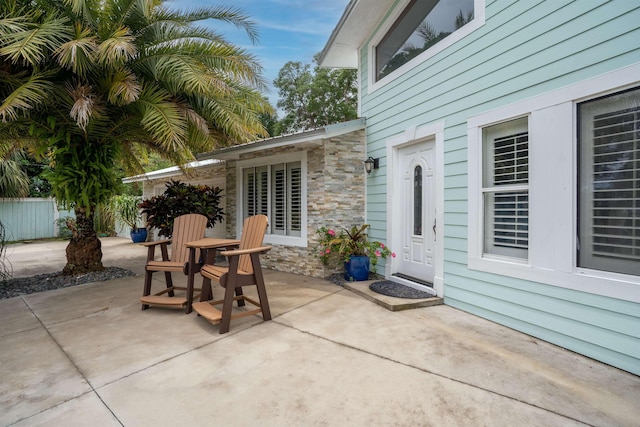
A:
[(88, 355)]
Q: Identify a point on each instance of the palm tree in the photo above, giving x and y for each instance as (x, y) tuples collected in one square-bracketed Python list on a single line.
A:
[(93, 84), (13, 181)]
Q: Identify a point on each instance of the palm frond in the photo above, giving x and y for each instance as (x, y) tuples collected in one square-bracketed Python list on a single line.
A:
[(11, 25), (118, 48), (83, 103), (32, 92), (32, 45), (78, 55), (165, 32), (123, 87), (237, 117), (85, 10), (162, 119), (229, 14), (14, 182)]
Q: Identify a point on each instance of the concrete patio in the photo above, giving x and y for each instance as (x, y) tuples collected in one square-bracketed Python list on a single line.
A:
[(87, 355)]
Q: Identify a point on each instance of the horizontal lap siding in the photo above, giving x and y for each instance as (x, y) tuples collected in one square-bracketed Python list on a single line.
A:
[(524, 49)]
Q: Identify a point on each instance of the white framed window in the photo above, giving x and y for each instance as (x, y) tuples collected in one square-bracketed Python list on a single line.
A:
[(609, 183), (583, 187), (505, 189), (276, 187), (419, 31)]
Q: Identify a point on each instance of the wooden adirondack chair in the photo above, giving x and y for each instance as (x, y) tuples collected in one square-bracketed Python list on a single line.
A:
[(244, 270), (186, 228)]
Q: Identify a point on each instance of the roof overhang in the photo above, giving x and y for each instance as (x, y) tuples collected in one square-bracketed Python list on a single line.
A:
[(171, 172), (300, 139), (358, 22)]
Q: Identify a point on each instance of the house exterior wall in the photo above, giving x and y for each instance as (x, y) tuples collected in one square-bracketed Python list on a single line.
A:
[(524, 50), (335, 186), (335, 197)]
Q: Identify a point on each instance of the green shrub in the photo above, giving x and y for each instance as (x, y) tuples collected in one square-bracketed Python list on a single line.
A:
[(180, 199)]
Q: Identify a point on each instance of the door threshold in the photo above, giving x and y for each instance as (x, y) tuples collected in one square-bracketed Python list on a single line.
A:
[(413, 279)]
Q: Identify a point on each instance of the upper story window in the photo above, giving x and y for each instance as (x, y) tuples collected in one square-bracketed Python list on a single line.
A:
[(423, 24)]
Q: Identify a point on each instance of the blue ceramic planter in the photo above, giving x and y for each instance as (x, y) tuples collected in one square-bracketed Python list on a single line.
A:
[(139, 235), (357, 268)]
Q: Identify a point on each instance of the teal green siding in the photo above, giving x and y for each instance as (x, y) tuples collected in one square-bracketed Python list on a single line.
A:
[(30, 218), (525, 48)]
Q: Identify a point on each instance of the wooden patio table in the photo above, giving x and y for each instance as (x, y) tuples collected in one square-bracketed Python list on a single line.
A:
[(208, 249)]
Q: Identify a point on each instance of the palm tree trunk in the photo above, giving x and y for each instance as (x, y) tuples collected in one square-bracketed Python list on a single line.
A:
[(84, 252)]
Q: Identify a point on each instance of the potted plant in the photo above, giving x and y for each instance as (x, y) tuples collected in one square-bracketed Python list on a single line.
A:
[(127, 212), (353, 248)]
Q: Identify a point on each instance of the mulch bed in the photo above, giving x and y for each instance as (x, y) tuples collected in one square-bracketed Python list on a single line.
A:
[(45, 282)]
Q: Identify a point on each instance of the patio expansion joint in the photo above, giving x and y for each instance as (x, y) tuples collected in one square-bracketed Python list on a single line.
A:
[(75, 366), (427, 371)]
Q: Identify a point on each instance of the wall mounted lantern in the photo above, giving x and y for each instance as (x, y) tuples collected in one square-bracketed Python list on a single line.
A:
[(371, 164)]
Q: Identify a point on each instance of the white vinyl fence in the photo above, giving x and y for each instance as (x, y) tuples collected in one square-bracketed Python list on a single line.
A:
[(31, 218)]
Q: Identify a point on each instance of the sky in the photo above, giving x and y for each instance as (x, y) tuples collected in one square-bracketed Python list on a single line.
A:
[(289, 30)]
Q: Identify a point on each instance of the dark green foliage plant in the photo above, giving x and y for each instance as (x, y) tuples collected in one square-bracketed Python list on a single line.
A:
[(180, 199)]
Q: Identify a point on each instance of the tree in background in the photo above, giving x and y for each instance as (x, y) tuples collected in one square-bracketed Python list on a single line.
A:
[(94, 84), (311, 99)]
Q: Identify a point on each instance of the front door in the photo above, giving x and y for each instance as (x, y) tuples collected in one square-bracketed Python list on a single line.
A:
[(415, 201)]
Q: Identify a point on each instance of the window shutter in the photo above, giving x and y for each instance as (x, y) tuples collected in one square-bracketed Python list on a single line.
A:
[(294, 212), (262, 190), (511, 209), (250, 192), (276, 191), (279, 199), (610, 184)]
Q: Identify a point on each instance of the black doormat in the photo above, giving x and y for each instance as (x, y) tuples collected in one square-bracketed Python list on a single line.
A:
[(393, 289)]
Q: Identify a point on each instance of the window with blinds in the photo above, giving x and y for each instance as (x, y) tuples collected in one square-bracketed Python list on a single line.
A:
[(506, 188), (609, 183), (256, 195), (276, 191)]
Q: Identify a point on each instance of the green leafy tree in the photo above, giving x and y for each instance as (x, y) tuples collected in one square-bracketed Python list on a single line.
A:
[(315, 98), (92, 84)]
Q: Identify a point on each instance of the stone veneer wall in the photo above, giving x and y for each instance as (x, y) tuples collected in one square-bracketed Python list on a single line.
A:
[(335, 198)]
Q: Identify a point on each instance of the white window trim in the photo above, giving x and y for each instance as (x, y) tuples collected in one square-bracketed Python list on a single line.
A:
[(552, 233), (478, 21), (274, 239)]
